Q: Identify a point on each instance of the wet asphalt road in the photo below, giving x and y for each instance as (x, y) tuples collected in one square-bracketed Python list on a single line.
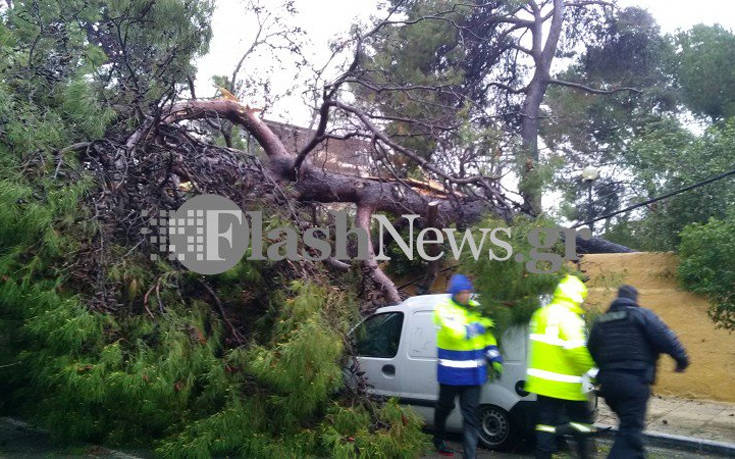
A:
[(18, 440), (602, 447)]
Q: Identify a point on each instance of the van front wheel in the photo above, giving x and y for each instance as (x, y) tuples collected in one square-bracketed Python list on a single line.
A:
[(496, 430)]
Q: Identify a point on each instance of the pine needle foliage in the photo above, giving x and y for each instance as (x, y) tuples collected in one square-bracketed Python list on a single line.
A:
[(172, 378), (508, 292), (131, 380), (128, 379), (289, 410)]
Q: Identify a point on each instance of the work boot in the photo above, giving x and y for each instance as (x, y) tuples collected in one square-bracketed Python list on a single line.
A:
[(442, 448), (581, 433)]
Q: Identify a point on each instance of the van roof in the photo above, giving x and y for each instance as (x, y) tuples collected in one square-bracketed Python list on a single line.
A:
[(415, 302)]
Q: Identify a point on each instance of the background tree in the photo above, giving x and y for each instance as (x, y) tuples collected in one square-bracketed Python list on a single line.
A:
[(707, 80), (647, 145), (707, 268), (490, 62), (586, 129), (668, 158)]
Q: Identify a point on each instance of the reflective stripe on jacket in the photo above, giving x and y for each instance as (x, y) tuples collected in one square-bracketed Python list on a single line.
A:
[(462, 354), (558, 355)]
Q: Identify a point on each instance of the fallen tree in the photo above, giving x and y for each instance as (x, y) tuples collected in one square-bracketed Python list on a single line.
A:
[(174, 142), (311, 183)]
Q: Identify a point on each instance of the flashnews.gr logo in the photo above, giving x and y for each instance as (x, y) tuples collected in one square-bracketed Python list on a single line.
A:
[(208, 234)]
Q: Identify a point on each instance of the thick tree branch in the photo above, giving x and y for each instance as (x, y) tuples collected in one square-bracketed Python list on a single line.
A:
[(369, 194), (554, 33), (318, 185), (328, 95), (362, 220), (316, 138), (236, 113)]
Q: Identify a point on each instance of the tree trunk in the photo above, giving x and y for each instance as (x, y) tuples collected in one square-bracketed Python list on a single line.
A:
[(543, 55), (530, 186)]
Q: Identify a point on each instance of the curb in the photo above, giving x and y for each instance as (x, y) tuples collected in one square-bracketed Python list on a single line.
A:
[(660, 439)]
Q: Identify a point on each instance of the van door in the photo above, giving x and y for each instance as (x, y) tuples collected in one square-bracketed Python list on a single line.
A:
[(420, 386), (377, 341), (513, 347)]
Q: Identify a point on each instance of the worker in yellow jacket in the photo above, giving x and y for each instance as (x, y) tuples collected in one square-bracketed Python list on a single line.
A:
[(466, 347), (557, 363)]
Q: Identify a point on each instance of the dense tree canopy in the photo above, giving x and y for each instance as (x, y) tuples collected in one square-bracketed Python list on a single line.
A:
[(707, 51)]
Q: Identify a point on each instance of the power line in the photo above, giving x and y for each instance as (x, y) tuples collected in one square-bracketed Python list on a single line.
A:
[(650, 201)]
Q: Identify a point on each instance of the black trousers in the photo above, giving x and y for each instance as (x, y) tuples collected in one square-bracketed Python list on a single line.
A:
[(550, 412), (626, 393), (469, 402)]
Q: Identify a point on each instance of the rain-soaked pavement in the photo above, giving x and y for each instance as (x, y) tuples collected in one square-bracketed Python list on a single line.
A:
[(18, 440)]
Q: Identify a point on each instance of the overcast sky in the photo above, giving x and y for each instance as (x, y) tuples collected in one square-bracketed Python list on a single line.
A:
[(322, 20)]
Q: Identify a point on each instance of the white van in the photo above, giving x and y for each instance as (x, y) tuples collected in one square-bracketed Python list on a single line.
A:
[(396, 348)]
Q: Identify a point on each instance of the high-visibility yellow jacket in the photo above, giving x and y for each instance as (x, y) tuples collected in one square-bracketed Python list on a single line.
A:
[(558, 355), (462, 353)]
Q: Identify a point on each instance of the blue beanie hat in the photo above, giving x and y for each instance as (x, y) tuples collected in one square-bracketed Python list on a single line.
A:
[(459, 282), (628, 291)]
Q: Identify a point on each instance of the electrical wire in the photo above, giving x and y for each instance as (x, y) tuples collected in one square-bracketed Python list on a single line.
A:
[(651, 201)]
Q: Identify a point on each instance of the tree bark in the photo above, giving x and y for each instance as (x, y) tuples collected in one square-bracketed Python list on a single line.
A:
[(362, 220), (543, 55)]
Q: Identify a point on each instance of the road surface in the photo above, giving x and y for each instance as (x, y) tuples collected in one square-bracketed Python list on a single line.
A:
[(18, 440), (602, 448)]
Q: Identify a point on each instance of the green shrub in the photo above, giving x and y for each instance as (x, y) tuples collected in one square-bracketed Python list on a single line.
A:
[(707, 266)]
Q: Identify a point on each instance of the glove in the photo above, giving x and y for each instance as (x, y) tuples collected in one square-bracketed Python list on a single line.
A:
[(589, 380), (498, 368), (681, 365), (593, 372), (475, 329), (492, 354)]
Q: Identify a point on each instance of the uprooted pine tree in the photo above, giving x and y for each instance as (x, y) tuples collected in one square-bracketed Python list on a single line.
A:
[(101, 344)]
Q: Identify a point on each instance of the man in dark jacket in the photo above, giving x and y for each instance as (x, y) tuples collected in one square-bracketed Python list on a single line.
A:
[(625, 343)]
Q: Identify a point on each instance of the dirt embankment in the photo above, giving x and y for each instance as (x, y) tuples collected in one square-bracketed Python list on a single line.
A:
[(712, 350)]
